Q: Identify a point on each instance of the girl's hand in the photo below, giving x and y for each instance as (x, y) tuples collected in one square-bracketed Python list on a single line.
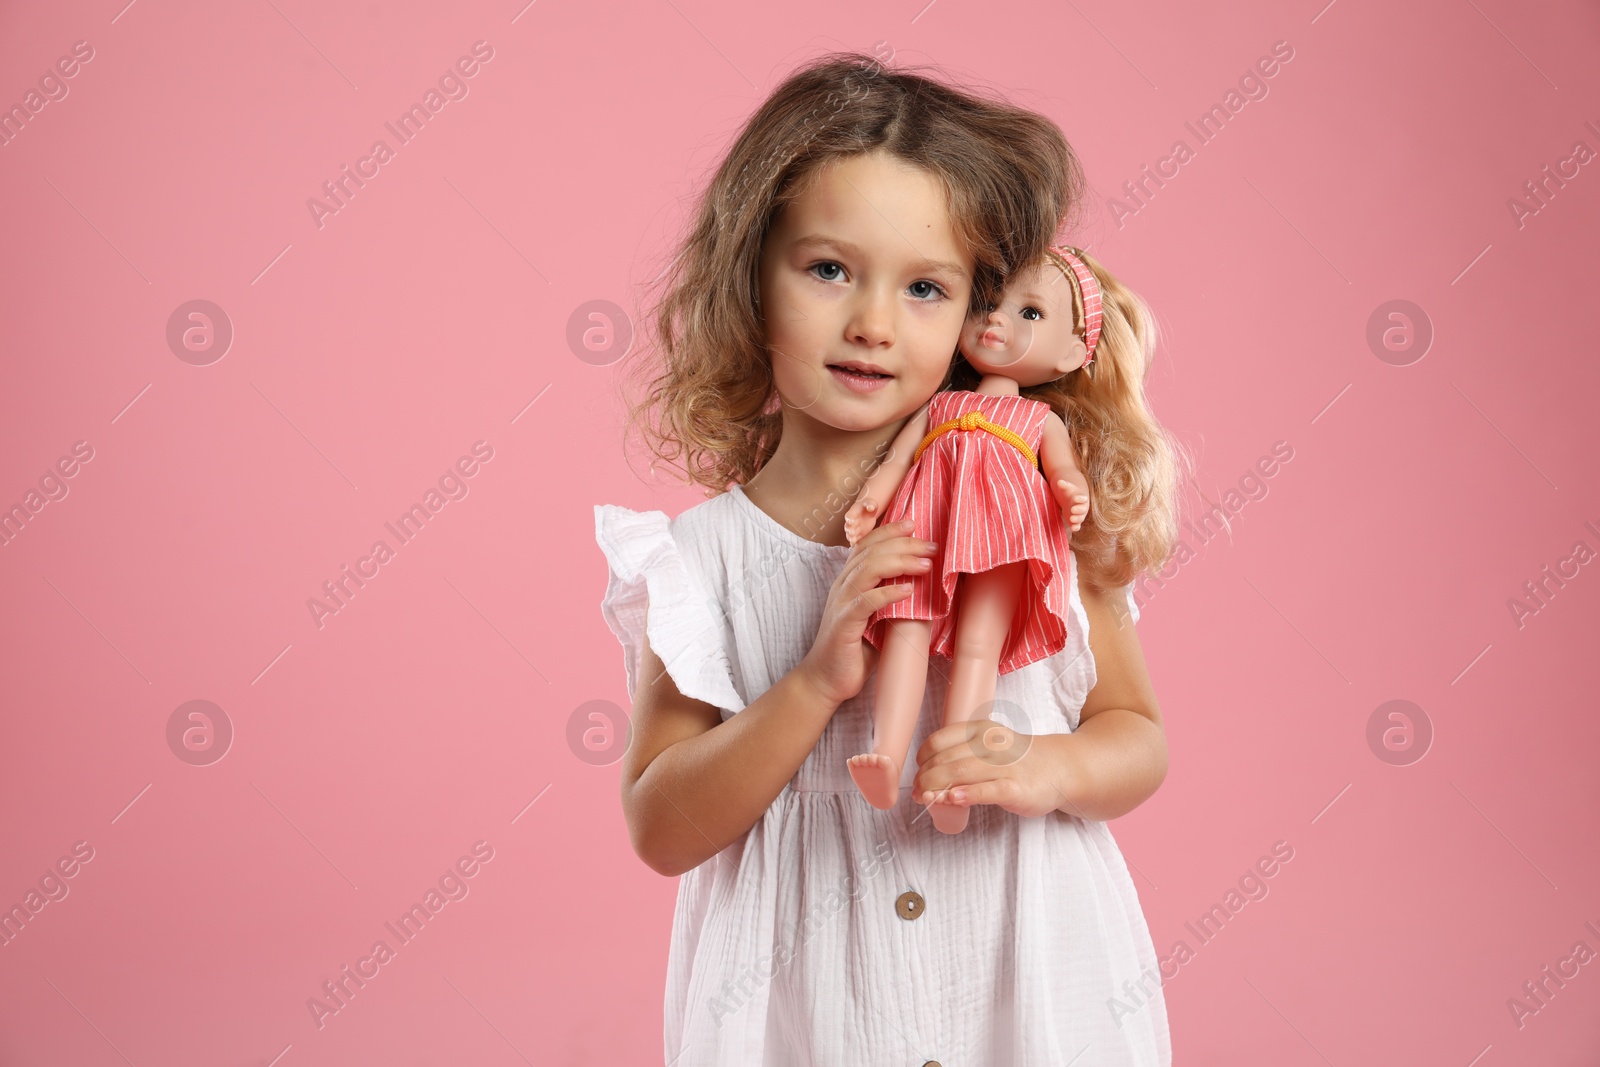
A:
[(981, 761), (837, 664), (1073, 497)]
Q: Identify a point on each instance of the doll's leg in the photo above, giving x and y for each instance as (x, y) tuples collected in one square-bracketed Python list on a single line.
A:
[(902, 677), (985, 605)]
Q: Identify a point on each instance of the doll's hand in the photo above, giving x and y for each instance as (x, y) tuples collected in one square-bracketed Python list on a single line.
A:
[(862, 517), (981, 761), (1073, 497)]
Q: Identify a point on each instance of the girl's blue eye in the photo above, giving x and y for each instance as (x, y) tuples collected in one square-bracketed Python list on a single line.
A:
[(829, 265)]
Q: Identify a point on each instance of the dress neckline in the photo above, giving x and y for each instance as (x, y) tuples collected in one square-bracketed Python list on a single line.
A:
[(782, 532)]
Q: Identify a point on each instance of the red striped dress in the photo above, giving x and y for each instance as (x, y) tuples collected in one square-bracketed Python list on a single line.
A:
[(980, 499)]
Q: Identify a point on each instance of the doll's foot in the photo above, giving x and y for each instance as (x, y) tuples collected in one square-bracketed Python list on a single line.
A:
[(878, 778), (859, 520), (951, 818)]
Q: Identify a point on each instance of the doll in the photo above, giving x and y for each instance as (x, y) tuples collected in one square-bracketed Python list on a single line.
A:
[(996, 484)]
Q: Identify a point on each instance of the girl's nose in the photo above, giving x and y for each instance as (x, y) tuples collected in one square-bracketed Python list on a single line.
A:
[(872, 320)]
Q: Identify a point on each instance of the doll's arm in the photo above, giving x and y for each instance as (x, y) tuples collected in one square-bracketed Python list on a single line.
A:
[(1059, 461), (885, 481)]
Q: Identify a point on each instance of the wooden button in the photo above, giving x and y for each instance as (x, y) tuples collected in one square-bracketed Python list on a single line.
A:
[(910, 905), (931, 1063)]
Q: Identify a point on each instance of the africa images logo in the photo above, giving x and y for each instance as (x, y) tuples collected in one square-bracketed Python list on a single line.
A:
[(452, 85)]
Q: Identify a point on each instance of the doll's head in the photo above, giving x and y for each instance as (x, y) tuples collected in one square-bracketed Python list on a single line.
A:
[(1036, 332), (1133, 464), (1006, 177)]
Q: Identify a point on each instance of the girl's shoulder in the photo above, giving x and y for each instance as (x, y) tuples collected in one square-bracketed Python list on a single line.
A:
[(637, 542), (674, 563), (727, 543)]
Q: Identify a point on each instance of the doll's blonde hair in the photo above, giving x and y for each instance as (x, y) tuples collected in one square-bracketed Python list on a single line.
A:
[(1010, 177), (1134, 465)]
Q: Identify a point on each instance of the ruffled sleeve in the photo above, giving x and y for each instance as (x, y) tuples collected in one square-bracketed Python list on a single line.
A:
[(647, 568), (1075, 677)]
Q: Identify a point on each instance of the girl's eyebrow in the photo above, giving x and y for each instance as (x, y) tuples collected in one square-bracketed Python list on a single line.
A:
[(839, 245)]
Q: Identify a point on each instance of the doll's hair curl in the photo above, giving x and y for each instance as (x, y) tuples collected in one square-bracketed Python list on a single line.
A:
[(1134, 465), (1009, 174)]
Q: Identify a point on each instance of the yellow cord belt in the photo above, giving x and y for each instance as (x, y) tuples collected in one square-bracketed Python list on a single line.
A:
[(974, 420)]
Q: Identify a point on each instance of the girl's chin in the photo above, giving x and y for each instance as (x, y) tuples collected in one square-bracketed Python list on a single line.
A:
[(850, 418), (864, 421)]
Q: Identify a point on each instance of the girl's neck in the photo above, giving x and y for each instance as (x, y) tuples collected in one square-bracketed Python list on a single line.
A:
[(998, 385), (812, 478)]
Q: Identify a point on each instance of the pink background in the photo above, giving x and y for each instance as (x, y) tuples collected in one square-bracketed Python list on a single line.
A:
[(432, 712)]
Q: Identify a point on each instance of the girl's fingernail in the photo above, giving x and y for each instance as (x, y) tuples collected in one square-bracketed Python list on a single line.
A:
[(959, 794)]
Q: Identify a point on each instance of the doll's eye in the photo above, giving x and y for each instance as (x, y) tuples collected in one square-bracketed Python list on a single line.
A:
[(1032, 313)]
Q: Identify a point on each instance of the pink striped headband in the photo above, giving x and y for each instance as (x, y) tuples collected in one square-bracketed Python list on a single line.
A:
[(1089, 288)]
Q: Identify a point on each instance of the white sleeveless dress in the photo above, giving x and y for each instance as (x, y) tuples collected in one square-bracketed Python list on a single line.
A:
[(833, 934)]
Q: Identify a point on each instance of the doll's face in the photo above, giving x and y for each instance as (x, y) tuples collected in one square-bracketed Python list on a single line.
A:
[(1030, 336), (863, 268)]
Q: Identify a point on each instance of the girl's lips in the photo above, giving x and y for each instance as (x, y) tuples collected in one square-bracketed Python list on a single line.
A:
[(860, 383)]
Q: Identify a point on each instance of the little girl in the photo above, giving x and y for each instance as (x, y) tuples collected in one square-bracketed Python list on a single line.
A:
[(998, 595), (859, 217)]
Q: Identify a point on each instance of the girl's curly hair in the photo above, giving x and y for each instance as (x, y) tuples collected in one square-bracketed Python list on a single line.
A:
[(1010, 177), (1012, 181)]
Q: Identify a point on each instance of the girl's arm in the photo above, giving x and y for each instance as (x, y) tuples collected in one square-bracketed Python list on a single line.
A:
[(1059, 462), (692, 784), (1117, 757), (1109, 765), (881, 487)]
